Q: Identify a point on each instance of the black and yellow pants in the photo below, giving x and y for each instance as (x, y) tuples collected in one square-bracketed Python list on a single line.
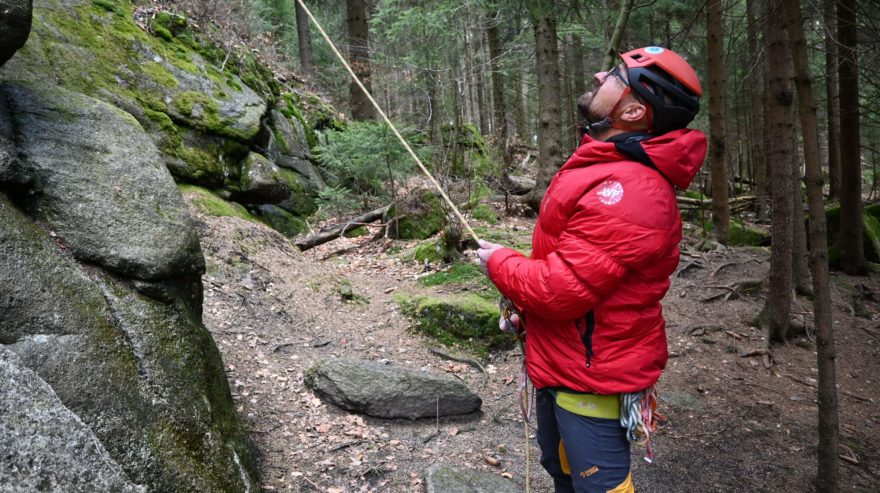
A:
[(584, 451)]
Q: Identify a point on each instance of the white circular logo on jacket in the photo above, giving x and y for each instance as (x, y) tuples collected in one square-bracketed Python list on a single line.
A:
[(610, 192)]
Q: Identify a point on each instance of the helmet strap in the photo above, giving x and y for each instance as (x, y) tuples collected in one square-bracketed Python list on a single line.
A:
[(609, 122)]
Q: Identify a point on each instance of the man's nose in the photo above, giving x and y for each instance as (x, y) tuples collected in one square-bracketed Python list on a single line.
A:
[(600, 77)]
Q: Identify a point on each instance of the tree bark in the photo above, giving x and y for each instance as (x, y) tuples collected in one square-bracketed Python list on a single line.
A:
[(359, 58), (304, 40), (500, 117), (849, 239), (549, 124), (762, 173), (832, 103), (717, 115), (829, 471), (777, 308), (482, 110)]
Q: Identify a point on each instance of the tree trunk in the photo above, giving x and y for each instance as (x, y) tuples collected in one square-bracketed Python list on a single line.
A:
[(619, 28), (359, 58), (482, 110), (580, 72), (832, 107), (523, 125), (780, 152), (800, 268), (717, 115), (304, 40), (849, 240), (549, 124), (494, 42), (829, 471), (762, 173), (567, 103)]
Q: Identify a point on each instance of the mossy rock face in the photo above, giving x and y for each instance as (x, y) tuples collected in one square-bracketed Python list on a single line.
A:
[(301, 201), (97, 48), (468, 320), (261, 182), (142, 373), (103, 187), (280, 220), (420, 215), (870, 232), (209, 203)]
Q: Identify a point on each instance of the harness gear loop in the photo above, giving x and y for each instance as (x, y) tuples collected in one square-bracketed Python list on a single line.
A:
[(638, 414)]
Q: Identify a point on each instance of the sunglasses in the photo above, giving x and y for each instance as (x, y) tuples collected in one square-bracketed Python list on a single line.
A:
[(616, 72)]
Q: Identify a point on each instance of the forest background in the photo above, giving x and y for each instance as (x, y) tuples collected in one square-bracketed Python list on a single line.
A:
[(790, 104)]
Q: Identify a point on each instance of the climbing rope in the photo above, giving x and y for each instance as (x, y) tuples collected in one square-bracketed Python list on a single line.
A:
[(639, 416), (517, 327), (388, 121), (525, 395)]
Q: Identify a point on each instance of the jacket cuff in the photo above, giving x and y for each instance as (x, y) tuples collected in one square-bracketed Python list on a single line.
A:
[(493, 266)]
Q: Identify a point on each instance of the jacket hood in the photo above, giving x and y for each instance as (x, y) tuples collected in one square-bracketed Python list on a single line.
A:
[(678, 155)]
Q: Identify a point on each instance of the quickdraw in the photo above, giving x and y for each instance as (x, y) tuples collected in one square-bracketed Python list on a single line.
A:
[(638, 414)]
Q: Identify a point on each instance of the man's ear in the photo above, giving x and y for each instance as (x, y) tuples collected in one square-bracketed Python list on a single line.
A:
[(633, 112)]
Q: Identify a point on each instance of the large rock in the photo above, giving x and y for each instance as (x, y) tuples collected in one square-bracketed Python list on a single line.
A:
[(419, 215), (289, 148), (101, 185), (45, 446), (466, 319), (143, 374), (15, 25), (261, 181), (445, 479), (387, 392)]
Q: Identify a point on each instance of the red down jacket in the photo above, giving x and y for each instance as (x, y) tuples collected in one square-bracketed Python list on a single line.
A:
[(604, 246)]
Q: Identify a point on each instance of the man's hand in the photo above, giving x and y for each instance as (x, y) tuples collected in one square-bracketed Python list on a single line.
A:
[(485, 251)]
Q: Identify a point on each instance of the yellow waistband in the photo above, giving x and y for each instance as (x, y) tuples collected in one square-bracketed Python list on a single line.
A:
[(591, 405)]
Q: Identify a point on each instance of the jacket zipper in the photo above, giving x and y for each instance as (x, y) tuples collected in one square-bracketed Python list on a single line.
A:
[(587, 334)]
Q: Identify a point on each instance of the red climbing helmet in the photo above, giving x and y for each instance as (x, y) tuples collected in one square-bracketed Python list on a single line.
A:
[(665, 81)]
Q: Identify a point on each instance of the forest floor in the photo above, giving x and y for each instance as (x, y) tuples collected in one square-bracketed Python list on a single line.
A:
[(735, 424)]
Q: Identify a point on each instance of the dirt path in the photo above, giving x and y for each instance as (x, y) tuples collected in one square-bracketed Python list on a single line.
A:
[(734, 425)]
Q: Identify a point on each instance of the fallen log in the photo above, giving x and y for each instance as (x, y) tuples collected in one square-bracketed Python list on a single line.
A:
[(333, 232), (745, 199)]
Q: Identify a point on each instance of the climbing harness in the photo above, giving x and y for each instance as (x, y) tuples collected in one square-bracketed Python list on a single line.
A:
[(515, 323), (638, 414), (388, 121)]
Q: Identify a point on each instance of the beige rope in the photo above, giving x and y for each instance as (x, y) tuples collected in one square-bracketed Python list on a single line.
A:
[(388, 121)]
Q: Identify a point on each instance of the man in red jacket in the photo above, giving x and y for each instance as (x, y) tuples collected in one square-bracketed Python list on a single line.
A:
[(604, 246)]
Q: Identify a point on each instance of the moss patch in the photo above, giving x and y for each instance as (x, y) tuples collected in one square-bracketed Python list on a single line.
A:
[(282, 221), (428, 251), (461, 273), (209, 203), (421, 215), (742, 234), (470, 321), (485, 213)]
